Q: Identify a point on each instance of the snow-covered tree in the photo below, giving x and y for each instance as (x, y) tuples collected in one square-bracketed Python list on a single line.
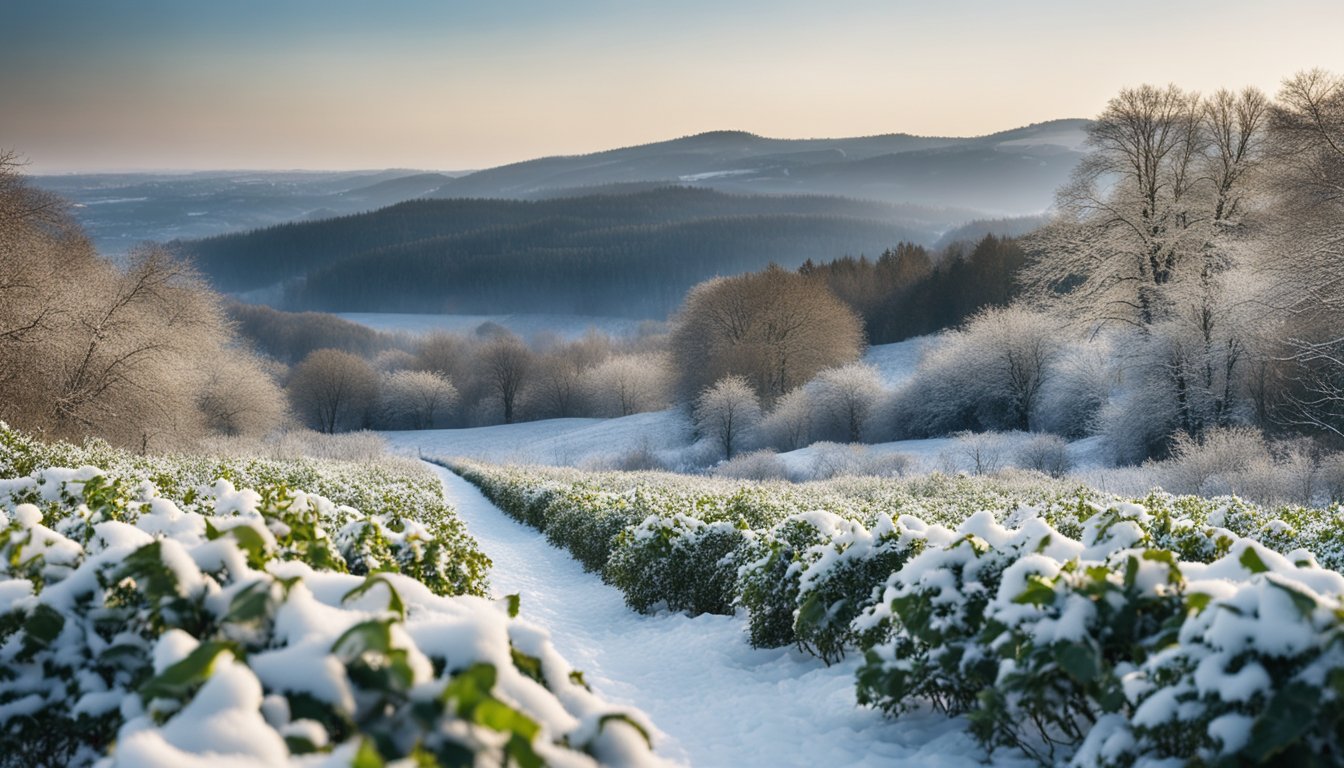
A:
[(788, 426), (626, 384), (728, 413), (847, 397), (1307, 138), (417, 397), (1145, 215)]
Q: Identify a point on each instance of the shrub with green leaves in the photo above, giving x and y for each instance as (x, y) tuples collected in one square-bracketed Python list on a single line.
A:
[(1062, 622), (265, 627)]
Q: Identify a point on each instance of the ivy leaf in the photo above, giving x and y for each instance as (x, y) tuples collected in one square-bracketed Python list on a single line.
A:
[(1251, 561)]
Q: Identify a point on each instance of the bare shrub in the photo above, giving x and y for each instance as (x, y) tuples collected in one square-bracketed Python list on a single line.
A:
[(983, 452), (1045, 453), (756, 465)]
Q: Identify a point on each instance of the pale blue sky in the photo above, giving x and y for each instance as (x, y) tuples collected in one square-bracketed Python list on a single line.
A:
[(450, 84)]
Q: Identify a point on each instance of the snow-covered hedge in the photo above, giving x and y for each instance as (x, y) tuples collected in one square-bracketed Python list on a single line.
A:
[(1062, 622), (267, 627)]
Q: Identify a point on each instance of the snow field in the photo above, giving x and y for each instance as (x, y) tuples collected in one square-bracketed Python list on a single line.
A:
[(1063, 624), (715, 699), (265, 626)]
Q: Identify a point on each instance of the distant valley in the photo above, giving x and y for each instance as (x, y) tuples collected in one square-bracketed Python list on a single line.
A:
[(620, 232)]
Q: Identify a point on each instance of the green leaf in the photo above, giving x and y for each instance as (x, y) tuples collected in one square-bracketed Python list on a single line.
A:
[(394, 602), (1252, 562), (576, 677), (252, 543), (1304, 603), (498, 716), (1079, 661), (180, 679), (367, 756), (1197, 601), (42, 627), (373, 635), (250, 604), (621, 717), (514, 602), (1288, 717), (528, 665), (1039, 592)]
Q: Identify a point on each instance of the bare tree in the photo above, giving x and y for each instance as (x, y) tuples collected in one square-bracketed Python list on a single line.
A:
[(506, 365), (775, 328), (1307, 140), (240, 398), (627, 384), (1166, 179), (727, 413), (333, 389)]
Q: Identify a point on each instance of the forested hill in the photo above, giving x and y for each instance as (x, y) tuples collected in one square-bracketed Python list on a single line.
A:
[(630, 254), (1014, 172)]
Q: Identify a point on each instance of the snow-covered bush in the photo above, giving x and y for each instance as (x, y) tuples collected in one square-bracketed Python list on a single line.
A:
[(1049, 615), (216, 625), (1045, 453), (831, 460), (757, 465)]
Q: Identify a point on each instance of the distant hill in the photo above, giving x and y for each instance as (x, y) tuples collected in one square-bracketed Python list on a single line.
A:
[(631, 254), (121, 210), (1010, 173)]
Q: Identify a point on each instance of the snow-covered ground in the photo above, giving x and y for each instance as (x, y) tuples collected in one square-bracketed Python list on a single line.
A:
[(526, 326), (895, 363), (717, 700), (564, 442)]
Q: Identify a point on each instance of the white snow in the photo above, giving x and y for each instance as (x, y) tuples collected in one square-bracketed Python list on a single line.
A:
[(561, 442), (717, 700)]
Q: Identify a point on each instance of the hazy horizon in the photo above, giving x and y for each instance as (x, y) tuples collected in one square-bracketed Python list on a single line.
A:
[(156, 85)]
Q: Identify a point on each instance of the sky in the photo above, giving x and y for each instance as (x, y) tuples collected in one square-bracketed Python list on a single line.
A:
[(89, 85)]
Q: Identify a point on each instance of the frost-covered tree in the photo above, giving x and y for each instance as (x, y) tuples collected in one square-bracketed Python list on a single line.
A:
[(728, 413), (988, 375), (788, 426), (1144, 218), (417, 397), (240, 397), (774, 328), (1307, 139), (627, 384), (333, 390), (847, 397)]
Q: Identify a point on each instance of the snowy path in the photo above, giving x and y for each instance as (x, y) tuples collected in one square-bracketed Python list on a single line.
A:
[(719, 701)]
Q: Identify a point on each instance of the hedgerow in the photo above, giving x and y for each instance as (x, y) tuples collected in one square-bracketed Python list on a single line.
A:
[(1063, 622), (218, 624)]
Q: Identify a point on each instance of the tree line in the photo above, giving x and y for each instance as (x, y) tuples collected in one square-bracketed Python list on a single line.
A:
[(634, 254)]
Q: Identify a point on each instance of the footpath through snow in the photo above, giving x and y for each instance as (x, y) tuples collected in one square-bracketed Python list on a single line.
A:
[(718, 701)]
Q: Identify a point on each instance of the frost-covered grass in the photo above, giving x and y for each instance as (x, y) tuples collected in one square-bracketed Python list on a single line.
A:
[(1061, 621), (177, 611)]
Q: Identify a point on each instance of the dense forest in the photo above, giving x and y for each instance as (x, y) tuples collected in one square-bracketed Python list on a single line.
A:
[(630, 254), (911, 291)]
